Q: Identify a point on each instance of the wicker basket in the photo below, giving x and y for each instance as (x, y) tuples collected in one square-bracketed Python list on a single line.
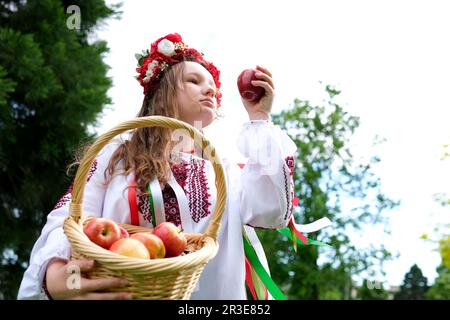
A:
[(168, 278)]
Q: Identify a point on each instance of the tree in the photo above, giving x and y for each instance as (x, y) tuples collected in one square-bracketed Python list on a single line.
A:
[(414, 285), (53, 85), (441, 287), (327, 179), (371, 291)]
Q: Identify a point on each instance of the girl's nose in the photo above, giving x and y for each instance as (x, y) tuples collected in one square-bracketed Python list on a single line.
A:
[(209, 91)]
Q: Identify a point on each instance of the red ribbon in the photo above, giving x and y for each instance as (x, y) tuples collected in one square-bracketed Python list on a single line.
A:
[(134, 215), (297, 233)]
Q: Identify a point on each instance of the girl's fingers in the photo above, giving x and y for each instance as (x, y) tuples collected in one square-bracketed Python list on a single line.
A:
[(84, 264), (265, 77), (89, 285), (264, 70), (265, 85)]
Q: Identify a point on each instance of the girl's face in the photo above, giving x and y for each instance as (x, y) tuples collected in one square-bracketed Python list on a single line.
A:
[(196, 96)]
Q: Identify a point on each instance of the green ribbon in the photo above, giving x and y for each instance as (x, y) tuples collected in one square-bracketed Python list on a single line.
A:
[(152, 207), (261, 272), (287, 233)]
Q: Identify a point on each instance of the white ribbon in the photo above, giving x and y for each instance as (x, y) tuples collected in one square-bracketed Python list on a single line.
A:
[(313, 226), (158, 202)]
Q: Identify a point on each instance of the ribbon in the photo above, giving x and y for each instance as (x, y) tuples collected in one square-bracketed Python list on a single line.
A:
[(261, 272), (313, 226), (152, 207), (287, 233), (249, 279), (134, 214), (296, 232), (256, 284), (158, 203)]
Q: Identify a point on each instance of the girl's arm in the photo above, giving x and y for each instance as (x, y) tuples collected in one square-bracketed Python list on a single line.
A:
[(52, 245), (266, 181)]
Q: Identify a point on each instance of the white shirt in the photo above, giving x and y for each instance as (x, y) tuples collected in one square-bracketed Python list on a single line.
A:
[(259, 195)]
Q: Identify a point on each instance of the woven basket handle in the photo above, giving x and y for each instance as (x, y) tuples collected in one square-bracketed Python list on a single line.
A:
[(76, 208)]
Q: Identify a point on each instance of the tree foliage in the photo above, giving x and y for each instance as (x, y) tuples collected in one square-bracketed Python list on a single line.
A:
[(441, 287), (372, 291), (53, 85), (414, 286), (327, 178)]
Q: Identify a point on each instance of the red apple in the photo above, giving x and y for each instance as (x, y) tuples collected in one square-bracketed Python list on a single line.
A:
[(123, 232), (247, 90), (102, 231), (131, 248), (173, 238), (154, 244)]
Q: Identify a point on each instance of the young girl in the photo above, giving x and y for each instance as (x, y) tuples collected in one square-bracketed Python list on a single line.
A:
[(178, 83)]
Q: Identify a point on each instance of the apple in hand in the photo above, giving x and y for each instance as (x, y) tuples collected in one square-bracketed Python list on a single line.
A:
[(173, 238), (246, 89), (102, 231), (131, 248), (154, 244)]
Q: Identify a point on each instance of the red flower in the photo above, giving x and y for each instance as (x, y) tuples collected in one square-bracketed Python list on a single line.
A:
[(180, 55)]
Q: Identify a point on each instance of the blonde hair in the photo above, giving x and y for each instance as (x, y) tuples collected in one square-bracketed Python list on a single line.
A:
[(147, 153)]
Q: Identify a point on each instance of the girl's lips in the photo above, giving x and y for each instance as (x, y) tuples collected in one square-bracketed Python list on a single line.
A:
[(209, 103)]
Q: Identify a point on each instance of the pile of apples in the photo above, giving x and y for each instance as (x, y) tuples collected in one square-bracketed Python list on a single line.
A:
[(166, 240)]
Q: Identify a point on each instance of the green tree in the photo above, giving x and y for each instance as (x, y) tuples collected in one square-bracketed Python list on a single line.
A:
[(371, 290), (441, 287), (414, 285), (53, 85), (327, 180)]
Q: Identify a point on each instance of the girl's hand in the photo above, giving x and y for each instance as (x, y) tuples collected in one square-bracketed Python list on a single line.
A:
[(260, 110), (60, 287)]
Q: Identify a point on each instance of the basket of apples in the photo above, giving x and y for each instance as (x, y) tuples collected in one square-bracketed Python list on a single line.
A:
[(161, 263)]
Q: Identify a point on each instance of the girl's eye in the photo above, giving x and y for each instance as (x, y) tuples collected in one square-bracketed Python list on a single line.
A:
[(193, 81)]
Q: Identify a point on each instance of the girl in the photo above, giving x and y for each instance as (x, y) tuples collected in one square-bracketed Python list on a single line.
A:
[(178, 83)]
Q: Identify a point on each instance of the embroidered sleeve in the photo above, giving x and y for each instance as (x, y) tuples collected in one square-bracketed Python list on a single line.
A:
[(267, 189)]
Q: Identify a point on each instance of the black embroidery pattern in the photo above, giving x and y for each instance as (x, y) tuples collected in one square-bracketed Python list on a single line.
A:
[(198, 193), (171, 208), (291, 165), (144, 206), (287, 193)]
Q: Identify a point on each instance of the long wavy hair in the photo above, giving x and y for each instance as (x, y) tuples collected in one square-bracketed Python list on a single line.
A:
[(148, 152)]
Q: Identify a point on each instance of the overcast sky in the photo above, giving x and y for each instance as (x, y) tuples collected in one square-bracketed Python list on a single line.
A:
[(389, 58)]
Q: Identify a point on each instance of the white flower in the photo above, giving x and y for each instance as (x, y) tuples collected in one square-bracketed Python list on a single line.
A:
[(166, 47), (149, 74)]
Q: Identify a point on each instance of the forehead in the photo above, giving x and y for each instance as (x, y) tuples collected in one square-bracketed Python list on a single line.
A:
[(194, 67)]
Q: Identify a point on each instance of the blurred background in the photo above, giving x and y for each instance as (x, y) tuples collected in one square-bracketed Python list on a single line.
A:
[(361, 87)]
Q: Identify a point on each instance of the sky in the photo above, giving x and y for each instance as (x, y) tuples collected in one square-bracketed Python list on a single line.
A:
[(389, 59)]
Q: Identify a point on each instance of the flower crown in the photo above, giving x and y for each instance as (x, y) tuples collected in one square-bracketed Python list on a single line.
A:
[(164, 53)]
